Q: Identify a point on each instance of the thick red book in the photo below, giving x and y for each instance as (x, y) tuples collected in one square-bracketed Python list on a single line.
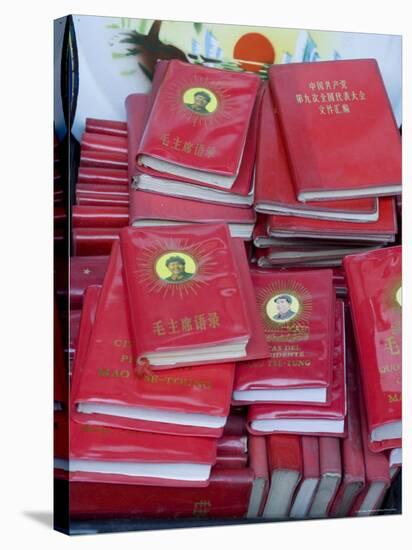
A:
[(93, 241), (109, 127), (309, 483), (231, 451), (330, 477), (240, 194), (377, 474), (198, 123), (275, 192), (103, 454), (103, 143), (89, 199), (339, 129), (375, 293), (103, 176), (85, 271), (383, 230), (226, 496), (285, 472), (187, 283), (102, 190), (258, 462), (297, 311), (103, 159), (155, 209), (99, 216), (310, 419), (108, 390)]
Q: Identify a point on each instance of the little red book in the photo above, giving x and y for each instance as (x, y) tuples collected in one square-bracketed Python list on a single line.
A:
[(99, 216), (285, 472), (104, 143), (339, 129), (103, 159), (308, 485), (375, 294), (297, 312), (107, 389), (330, 477), (112, 192), (102, 454), (275, 193), (185, 296), (94, 241), (85, 271), (231, 451), (109, 127), (310, 419), (198, 123), (226, 496), (258, 462), (103, 176)]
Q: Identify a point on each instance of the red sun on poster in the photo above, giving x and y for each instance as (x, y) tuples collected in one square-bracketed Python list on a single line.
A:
[(256, 48)]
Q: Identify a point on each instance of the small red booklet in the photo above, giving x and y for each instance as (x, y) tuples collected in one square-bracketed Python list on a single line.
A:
[(258, 462), (103, 159), (94, 241), (85, 271), (107, 390), (308, 485), (104, 176), (109, 127), (375, 293), (99, 216), (330, 477), (102, 190), (339, 129), (310, 419), (226, 496), (198, 123), (231, 451), (275, 192), (285, 472), (185, 296), (90, 199), (103, 143), (103, 454), (297, 311)]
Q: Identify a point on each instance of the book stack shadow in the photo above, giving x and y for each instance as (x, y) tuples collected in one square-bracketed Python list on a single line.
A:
[(235, 300)]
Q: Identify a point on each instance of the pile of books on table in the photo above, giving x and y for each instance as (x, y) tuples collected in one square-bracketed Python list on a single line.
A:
[(212, 377)]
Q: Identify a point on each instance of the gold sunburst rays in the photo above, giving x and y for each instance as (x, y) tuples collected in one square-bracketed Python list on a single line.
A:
[(201, 254), (296, 291)]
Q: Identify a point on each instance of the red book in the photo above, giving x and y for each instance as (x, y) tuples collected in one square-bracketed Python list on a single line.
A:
[(188, 284), (377, 474), (309, 483), (231, 452), (285, 472), (108, 127), (198, 123), (88, 199), (85, 271), (236, 423), (108, 390), (154, 210), (330, 477), (109, 176), (383, 230), (374, 285), (258, 462), (275, 192), (103, 159), (226, 496), (103, 143), (297, 310), (241, 192), (102, 190), (339, 129), (100, 216), (111, 455), (310, 419), (94, 241)]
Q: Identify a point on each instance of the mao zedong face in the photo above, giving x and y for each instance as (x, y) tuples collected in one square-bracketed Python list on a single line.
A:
[(283, 305), (200, 100), (176, 265)]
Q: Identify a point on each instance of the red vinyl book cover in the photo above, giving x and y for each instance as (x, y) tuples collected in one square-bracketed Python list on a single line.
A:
[(108, 390), (209, 109), (102, 190), (188, 285), (99, 216), (299, 331), (375, 293), (339, 129), (85, 271), (231, 451), (226, 496), (275, 192), (308, 485), (383, 228), (136, 108), (103, 454), (109, 127), (103, 159), (94, 241), (91, 199), (109, 176), (103, 143), (330, 477), (310, 419), (258, 462)]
